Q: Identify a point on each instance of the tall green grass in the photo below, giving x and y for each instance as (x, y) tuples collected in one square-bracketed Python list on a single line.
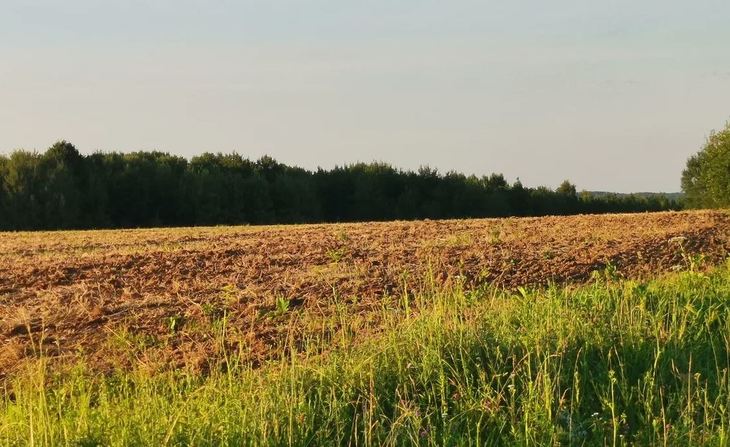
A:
[(611, 363)]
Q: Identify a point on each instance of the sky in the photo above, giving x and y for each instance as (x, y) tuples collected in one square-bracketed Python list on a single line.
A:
[(613, 95)]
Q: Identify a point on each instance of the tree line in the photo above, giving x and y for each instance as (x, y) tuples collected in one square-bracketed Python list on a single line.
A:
[(63, 189)]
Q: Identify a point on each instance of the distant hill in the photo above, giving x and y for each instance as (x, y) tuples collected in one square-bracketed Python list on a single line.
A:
[(674, 196)]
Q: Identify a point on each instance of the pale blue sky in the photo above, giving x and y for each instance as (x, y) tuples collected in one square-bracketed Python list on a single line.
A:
[(614, 95)]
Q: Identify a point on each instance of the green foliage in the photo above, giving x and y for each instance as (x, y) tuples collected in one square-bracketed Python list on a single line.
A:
[(282, 306), (567, 189), (706, 179), (612, 363), (175, 322), (63, 189)]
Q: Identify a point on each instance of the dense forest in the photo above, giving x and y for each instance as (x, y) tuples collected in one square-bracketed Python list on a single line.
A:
[(62, 189)]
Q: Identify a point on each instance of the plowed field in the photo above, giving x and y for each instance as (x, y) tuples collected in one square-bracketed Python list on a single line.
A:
[(186, 297)]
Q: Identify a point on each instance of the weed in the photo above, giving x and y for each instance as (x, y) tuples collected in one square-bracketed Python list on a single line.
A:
[(609, 273), (610, 363), (692, 262), (282, 306), (175, 323), (214, 312), (336, 254), (495, 235), (343, 237)]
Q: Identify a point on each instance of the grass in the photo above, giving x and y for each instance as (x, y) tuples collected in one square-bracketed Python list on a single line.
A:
[(611, 363)]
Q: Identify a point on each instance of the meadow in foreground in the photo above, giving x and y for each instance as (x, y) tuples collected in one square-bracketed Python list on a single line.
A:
[(614, 362)]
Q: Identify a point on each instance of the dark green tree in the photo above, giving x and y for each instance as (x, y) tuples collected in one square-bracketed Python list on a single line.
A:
[(23, 188), (4, 196), (567, 200), (62, 178)]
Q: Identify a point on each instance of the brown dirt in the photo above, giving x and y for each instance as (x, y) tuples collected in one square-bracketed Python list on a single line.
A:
[(156, 298)]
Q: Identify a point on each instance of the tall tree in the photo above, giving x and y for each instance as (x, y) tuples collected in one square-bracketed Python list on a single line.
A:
[(62, 177), (706, 179), (23, 189)]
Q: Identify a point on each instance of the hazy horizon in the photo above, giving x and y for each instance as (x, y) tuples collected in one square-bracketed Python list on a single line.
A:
[(613, 96)]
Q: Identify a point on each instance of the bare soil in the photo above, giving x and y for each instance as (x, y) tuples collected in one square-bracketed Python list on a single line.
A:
[(188, 297)]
